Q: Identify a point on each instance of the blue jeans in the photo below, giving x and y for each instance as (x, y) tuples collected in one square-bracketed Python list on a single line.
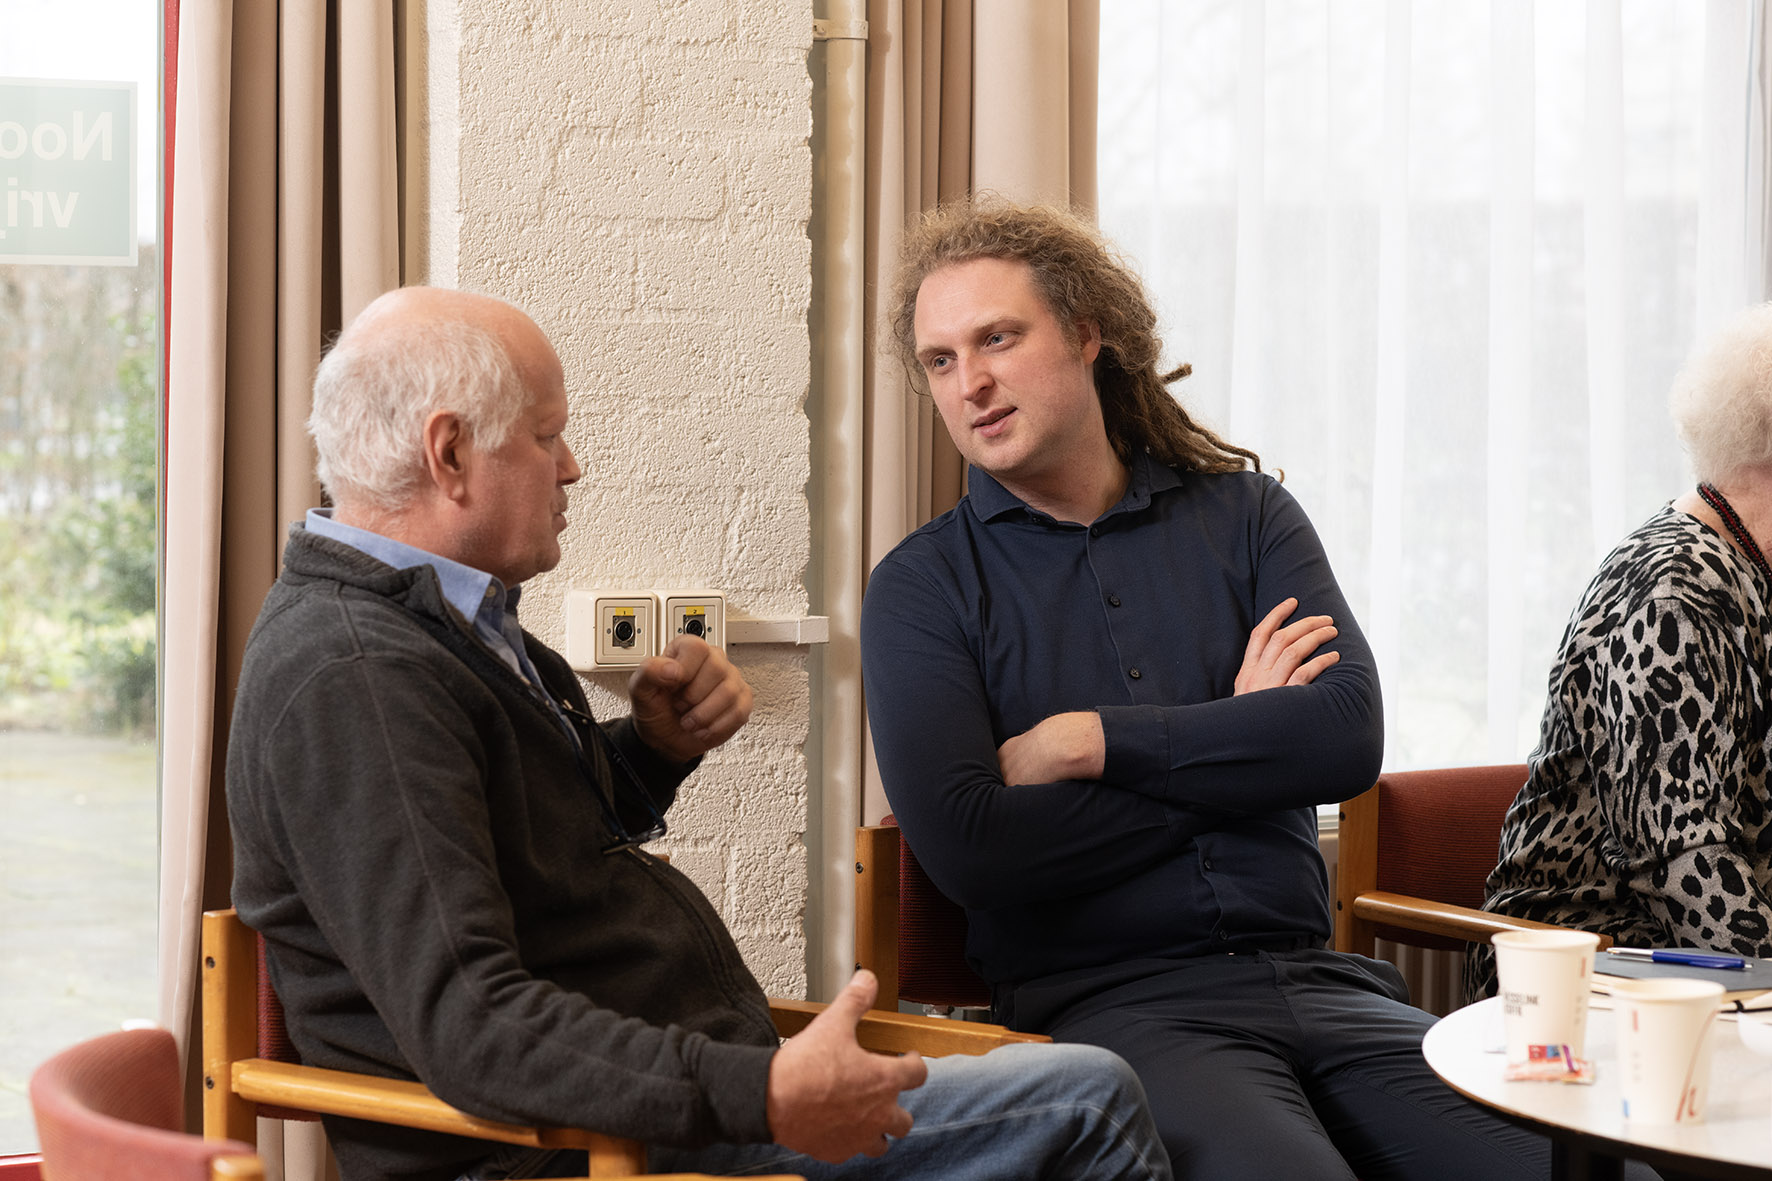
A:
[(1019, 1113)]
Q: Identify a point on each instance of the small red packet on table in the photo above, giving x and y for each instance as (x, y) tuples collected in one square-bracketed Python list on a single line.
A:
[(1550, 1064)]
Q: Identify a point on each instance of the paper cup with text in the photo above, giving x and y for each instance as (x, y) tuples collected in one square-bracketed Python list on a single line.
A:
[(1545, 977), (1664, 1037)]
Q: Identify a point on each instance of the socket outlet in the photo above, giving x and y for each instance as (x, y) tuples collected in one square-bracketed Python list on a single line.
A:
[(696, 611), (611, 628)]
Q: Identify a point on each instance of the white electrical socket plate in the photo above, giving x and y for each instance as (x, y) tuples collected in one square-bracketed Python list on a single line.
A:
[(611, 628), (693, 611)]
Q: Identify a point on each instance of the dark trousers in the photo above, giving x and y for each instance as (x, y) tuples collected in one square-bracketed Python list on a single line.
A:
[(1283, 1064)]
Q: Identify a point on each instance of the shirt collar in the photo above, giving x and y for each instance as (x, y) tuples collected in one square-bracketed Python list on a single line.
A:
[(468, 590), (1147, 478)]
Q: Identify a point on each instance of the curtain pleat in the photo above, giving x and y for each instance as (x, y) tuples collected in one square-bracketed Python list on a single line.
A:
[(197, 373), (1726, 272), (1342, 504), (1604, 267), (1383, 621), (301, 221), (266, 237), (1249, 294), (1759, 205), (1512, 198), (368, 159)]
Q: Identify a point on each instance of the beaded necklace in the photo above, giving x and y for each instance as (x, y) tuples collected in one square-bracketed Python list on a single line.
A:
[(1736, 529)]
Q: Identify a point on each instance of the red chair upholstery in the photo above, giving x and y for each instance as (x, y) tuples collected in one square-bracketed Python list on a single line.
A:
[(112, 1109), (1414, 852), (273, 1037), (932, 967), (910, 934)]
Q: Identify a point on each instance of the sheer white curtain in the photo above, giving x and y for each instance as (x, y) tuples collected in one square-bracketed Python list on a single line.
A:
[(1439, 262)]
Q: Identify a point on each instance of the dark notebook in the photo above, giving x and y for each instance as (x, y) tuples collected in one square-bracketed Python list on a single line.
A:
[(1738, 983)]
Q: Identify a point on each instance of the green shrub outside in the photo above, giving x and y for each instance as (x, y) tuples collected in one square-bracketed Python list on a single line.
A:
[(79, 446)]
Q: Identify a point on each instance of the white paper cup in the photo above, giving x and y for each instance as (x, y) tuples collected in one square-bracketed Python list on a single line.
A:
[(1664, 1028), (1545, 976)]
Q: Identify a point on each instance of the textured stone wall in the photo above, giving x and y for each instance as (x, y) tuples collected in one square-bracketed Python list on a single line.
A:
[(635, 174)]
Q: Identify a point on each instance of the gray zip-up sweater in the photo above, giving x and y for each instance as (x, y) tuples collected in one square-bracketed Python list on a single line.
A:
[(415, 836)]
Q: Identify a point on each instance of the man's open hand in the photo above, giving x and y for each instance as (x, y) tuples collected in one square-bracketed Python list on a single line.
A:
[(688, 700), (831, 1099)]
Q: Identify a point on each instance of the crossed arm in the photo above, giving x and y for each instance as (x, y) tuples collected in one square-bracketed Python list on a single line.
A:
[(1022, 776), (1072, 745)]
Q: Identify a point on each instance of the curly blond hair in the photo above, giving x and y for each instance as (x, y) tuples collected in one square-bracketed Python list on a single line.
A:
[(1080, 277)]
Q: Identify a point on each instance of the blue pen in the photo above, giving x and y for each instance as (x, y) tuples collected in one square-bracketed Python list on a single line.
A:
[(1691, 959)]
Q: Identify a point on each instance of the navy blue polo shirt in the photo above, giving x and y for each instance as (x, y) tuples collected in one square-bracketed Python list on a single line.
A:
[(1200, 837)]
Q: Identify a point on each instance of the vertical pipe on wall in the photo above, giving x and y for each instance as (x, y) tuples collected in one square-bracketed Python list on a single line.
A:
[(835, 410)]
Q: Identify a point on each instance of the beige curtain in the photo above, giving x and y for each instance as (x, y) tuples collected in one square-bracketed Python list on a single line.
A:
[(283, 223), (963, 96)]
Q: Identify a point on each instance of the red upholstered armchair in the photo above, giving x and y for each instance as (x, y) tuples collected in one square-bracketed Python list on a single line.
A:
[(1413, 854), (112, 1109)]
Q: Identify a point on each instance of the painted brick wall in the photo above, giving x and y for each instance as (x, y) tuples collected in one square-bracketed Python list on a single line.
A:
[(635, 174)]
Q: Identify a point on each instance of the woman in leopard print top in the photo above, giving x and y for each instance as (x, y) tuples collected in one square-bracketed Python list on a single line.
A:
[(1645, 814)]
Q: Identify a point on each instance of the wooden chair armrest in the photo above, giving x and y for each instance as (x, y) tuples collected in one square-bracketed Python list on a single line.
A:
[(898, 1033), (1443, 918), (411, 1105), (236, 1168), (229, 977), (396, 1101)]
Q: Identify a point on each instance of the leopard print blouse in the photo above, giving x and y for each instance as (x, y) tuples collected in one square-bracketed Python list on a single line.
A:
[(1645, 813)]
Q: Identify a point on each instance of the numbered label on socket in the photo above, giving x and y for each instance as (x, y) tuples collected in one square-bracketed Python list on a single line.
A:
[(611, 628), (692, 611)]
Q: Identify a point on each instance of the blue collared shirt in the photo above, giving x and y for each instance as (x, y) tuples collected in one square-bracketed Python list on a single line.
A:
[(475, 595), (1200, 834)]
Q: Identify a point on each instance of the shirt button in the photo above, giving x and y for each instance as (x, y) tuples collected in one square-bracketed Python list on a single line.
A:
[(1113, 600), (1223, 937), (1094, 531), (1206, 864), (1135, 674)]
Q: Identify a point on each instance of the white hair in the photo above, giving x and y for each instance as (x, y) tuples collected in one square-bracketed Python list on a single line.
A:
[(378, 384), (1722, 398)]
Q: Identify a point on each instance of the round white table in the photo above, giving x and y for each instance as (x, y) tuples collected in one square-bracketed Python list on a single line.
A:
[(1590, 1135)]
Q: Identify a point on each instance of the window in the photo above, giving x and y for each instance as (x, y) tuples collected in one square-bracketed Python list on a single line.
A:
[(79, 366), (1439, 263)]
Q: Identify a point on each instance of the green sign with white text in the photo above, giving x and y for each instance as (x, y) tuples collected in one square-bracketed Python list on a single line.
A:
[(67, 172)]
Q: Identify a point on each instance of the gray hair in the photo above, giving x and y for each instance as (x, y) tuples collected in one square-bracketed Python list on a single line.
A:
[(378, 384), (1722, 399)]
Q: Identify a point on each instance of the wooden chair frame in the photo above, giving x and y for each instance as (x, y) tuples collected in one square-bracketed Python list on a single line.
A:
[(876, 908), (1361, 907), (908, 933), (236, 1080)]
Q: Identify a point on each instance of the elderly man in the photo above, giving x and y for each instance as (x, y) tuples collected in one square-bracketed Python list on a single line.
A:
[(441, 846)]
